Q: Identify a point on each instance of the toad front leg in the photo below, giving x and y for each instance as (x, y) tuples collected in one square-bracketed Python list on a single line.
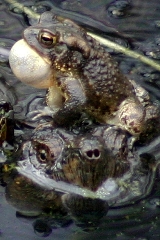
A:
[(66, 100)]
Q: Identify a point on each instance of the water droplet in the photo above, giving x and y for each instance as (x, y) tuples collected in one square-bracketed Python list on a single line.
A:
[(151, 48), (155, 202), (119, 9), (40, 8), (155, 54), (157, 23)]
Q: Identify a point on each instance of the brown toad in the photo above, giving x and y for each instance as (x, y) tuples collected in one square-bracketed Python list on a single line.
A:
[(60, 170), (85, 160), (80, 74)]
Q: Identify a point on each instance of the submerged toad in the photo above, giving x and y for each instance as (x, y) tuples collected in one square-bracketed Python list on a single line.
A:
[(81, 76), (85, 160), (80, 174)]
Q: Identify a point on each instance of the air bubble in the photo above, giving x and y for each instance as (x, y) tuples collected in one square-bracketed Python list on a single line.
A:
[(40, 8), (119, 9), (42, 228), (157, 24), (153, 203)]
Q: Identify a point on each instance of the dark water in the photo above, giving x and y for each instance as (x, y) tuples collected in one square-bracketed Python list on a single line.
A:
[(131, 23)]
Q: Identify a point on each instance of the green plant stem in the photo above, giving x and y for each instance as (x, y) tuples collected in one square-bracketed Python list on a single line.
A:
[(126, 51), (102, 40)]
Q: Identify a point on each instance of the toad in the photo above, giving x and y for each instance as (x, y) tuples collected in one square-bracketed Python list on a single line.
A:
[(84, 159), (80, 75), (54, 154), (82, 175)]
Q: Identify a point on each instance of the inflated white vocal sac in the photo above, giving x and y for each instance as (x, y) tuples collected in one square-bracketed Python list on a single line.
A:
[(29, 67)]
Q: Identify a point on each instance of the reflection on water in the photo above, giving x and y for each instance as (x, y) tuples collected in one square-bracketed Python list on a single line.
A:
[(129, 22)]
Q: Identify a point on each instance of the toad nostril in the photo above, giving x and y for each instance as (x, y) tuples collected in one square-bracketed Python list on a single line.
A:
[(96, 153), (93, 154), (89, 153)]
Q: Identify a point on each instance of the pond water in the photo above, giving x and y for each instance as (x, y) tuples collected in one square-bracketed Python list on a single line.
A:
[(130, 23)]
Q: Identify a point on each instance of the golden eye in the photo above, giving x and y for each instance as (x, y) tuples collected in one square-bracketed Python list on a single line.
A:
[(43, 152), (47, 39), (43, 155)]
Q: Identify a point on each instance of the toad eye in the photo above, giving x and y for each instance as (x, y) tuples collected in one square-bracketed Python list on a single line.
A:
[(43, 152), (47, 39), (43, 155)]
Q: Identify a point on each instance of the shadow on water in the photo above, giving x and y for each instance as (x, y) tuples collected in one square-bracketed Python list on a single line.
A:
[(130, 23)]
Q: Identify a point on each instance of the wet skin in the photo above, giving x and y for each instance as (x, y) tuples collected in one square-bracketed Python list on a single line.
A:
[(85, 160), (63, 156), (104, 156), (80, 76)]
